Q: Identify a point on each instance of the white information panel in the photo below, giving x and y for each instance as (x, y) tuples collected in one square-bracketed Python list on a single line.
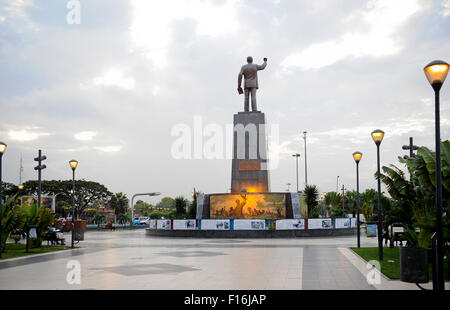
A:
[(249, 224), (342, 223), (152, 224), (295, 205), (163, 224), (184, 225), (353, 222), (215, 225), (319, 224), (290, 224)]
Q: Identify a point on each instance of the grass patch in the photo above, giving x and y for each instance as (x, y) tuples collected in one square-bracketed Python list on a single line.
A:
[(390, 265), (17, 250)]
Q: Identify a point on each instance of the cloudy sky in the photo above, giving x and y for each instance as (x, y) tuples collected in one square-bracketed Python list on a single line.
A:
[(110, 90)]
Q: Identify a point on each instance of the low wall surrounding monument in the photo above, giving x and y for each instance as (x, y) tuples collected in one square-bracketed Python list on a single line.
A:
[(252, 228)]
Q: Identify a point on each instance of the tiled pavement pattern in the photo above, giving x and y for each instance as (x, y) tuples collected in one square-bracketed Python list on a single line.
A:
[(132, 260)]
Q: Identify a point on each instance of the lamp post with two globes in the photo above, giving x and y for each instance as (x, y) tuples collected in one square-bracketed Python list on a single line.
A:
[(357, 157), (73, 164), (436, 72), (377, 136)]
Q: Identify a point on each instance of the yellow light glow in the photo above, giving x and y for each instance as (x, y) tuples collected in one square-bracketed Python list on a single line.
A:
[(3, 147), (20, 186), (73, 163), (377, 136), (357, 156), (436, 72)]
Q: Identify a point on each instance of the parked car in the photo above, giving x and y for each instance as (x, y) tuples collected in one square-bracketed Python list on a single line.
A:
[(143, 220)]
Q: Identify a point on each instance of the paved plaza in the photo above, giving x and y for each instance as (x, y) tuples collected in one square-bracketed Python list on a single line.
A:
[(132, 260)]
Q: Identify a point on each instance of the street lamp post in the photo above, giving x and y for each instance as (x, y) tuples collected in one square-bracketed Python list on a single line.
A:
[(357, 157), (132, 204), (20, 187), (436, 72), (73, 164), (377, 136), (337, 184), (3, 147), (306, 165), (343, 200), (296, 166)]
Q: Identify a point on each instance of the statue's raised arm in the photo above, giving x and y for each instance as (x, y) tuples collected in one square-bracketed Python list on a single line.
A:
[(250, 73)]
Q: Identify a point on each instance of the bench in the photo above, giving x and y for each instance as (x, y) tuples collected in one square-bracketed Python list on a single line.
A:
[(106, 226), (54, 238)]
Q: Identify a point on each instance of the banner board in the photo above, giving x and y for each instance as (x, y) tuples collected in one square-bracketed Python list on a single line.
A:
[(290, 224), (342, 223), (319, 224), (295, 200), (214, 225), (200, 204), (46, 201), (152, 224), (163, 224), (184, 224), (371, 230), (354, 222), (254, 224)]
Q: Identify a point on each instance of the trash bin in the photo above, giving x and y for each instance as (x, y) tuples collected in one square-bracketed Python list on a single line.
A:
[(414, 265), (79, 234)]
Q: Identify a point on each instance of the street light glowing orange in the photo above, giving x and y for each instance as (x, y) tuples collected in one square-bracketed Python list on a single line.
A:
[(377, 136), (3, 147), (436, 71), (73, 163), (357, 156)]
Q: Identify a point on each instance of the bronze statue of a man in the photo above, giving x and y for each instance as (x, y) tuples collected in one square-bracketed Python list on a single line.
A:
[(250, 73)]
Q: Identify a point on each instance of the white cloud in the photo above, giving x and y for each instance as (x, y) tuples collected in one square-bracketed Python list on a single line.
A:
[(109, 148), (115, 77), (25, 135), (383, 18), (85, 135), (150, 29), (446, 8), (16, 9)]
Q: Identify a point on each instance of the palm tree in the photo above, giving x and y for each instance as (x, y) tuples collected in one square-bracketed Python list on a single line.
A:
[(99, 218), (118, 203), (180, 206), (311, 195)]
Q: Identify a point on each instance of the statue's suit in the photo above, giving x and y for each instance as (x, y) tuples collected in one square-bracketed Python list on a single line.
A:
[(250, 73)]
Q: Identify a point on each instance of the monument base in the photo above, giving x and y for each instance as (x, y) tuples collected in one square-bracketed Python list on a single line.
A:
[(249, 165)]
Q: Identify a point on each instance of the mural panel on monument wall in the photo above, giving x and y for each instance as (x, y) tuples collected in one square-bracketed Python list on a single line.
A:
[(248, 206)]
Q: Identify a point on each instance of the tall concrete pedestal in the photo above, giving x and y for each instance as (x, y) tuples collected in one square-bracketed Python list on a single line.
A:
[(249, 169)]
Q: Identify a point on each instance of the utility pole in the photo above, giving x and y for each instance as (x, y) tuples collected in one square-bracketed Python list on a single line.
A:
[(306, 165), (20, 170), (39, 168), (337, 184)]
